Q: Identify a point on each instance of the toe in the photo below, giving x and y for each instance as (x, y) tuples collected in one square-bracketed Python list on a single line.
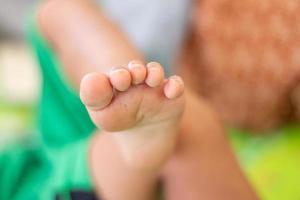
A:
[(174, 87), (138, 71), (96, 91), (155, 74), (120, 78)]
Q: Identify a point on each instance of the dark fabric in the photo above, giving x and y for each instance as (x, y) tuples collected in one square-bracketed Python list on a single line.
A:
[(82, 195), (78, 195)]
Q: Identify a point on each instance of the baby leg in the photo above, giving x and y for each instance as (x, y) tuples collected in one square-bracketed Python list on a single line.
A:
[(135, 105)]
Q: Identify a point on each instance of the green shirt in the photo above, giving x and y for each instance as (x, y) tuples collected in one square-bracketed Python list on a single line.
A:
[(54, 161)]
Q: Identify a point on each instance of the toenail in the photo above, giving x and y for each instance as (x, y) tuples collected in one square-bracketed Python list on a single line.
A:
[(153, 64), (135, 66), (134, 62), (178, 80), (154, 69), (117, 71)]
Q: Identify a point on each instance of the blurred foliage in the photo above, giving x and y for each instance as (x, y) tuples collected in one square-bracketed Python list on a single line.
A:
[(271, 161), (16, 120)]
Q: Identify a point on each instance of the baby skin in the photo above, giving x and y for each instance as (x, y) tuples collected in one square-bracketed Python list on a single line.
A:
[(139, 111), (139, 107)]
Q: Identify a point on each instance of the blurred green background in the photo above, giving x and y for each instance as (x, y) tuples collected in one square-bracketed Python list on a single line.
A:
[(19, 77), (19, 90), (271, 161)]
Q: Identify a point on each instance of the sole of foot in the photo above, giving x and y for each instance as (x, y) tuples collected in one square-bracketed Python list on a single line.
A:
[(139, 107)]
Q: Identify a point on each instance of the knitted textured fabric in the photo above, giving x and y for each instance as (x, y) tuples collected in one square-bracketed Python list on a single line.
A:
[(247, 55)]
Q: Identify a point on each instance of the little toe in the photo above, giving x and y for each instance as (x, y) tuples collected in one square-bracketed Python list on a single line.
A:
[(95, 91), (138, 71), (174, 87), (120, 78), (155, 74)]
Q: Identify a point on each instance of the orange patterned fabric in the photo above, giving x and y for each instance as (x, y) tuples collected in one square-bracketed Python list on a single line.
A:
[(247, 57)]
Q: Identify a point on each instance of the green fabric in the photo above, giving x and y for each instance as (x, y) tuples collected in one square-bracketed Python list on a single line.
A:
[(28, 172), (20, 167), (64, 123), (55, 160), (63, 118)]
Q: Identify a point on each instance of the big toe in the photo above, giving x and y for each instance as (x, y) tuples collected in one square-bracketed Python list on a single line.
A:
[(96, 91)]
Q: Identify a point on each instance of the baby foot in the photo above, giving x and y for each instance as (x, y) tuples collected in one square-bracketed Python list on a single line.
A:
[(139, 107)]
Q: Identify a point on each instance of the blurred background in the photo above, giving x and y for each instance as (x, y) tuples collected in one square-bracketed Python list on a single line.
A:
[(19, 76), (269, 160)]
